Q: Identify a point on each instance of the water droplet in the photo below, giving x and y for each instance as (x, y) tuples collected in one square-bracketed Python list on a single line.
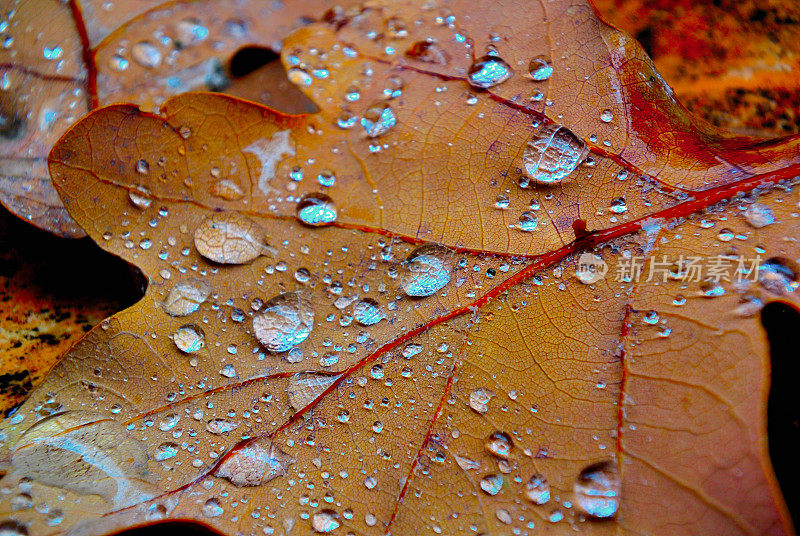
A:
[(228, 371), (378, 119), (52, 53), (467, 464), (316, 209), (168, 422), (302, 275), (492, 484), (479, 399), (346, 119), (606, 116), (221, 426), (537, 489), (165, 451), (426, 271), (22, 501), (500, 444), (725, 235), (618, 205), (185, 297), (396, 28), (488, 71), (299, 77), (555, 516), (429, 52), (367, 312), (597, 489), (87, 453), (227, 189), (759, 215), (255, 463), (411, 349), (212, 508), (325, 521), (540, 68), (189, 338), (285, 321), (12, 528), (778, 275), (140, 197), (305, 388), (326, 178), (230, 238), (146, 54), (528, 221), (553, 152), (190, 31), (501, 201)]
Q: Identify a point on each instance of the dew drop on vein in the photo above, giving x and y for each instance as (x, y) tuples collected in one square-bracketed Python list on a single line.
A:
[(255, 463), (552, 153), (488, 71), (284, 321)]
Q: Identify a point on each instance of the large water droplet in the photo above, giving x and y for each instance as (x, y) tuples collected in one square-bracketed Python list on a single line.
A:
[(221, 426), (87, 453), (146, 54), (492, 484), (488, 71), (325, 521), (305, 388), (254, 463), (537, 489), (500, 444), (140, 197), (165, 451), (230, 238), (540, 68), (12, 528), (185, 297), (528, 221), (367, 312), (284, 321), (553, 152), (479, 399), (759, 215), (316, 209), (212, 508), (426, 271), (189, 338), (191, 31), (378, 119), (778, 275), (597, 489)]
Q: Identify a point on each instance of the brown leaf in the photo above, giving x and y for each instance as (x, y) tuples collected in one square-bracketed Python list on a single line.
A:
[(418, 309), (60, 60)]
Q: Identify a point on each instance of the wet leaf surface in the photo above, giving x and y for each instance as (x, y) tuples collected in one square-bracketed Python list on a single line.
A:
[(437, 341), (62, 59)]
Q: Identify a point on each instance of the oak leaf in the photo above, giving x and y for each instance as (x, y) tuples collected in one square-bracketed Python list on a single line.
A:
[(419, 309)]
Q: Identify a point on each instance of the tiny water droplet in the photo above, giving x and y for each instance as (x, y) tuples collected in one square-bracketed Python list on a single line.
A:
[(606, 116), (540, 68)]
